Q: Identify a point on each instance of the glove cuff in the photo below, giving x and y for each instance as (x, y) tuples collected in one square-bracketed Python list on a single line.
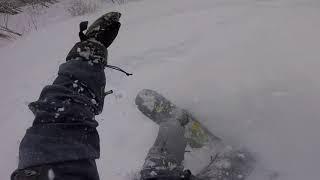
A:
[(90, 50)]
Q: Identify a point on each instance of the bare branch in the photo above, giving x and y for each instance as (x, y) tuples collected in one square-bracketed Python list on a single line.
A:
[(7, 7), (5, 29), (4, 36)]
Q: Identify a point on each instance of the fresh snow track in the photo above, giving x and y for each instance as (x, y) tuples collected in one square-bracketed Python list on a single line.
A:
[(248, 69)]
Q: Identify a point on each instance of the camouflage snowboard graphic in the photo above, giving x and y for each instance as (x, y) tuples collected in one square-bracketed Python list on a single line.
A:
[(222, 162)]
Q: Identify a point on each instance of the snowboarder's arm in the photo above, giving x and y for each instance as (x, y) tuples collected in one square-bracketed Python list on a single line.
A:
[(63, 142), (63, 137)]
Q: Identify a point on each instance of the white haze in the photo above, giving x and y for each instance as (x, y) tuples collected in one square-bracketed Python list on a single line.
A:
[(249, 70)]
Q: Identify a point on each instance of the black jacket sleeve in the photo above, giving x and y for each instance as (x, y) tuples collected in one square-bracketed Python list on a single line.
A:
[(63, 141)]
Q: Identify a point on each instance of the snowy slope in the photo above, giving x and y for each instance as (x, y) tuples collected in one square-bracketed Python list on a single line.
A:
[(247, 69)]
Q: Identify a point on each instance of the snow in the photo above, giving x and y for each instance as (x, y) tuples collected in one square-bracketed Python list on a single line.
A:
[(153, 173), (148, 102), (247, 69), (61, 109), (93, 101), (51, 174), (85, 54)]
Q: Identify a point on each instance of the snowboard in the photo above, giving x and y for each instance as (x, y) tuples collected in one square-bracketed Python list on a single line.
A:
[(216, 160)]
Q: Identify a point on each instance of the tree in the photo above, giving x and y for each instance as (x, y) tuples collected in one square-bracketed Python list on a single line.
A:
[(13, 7)]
